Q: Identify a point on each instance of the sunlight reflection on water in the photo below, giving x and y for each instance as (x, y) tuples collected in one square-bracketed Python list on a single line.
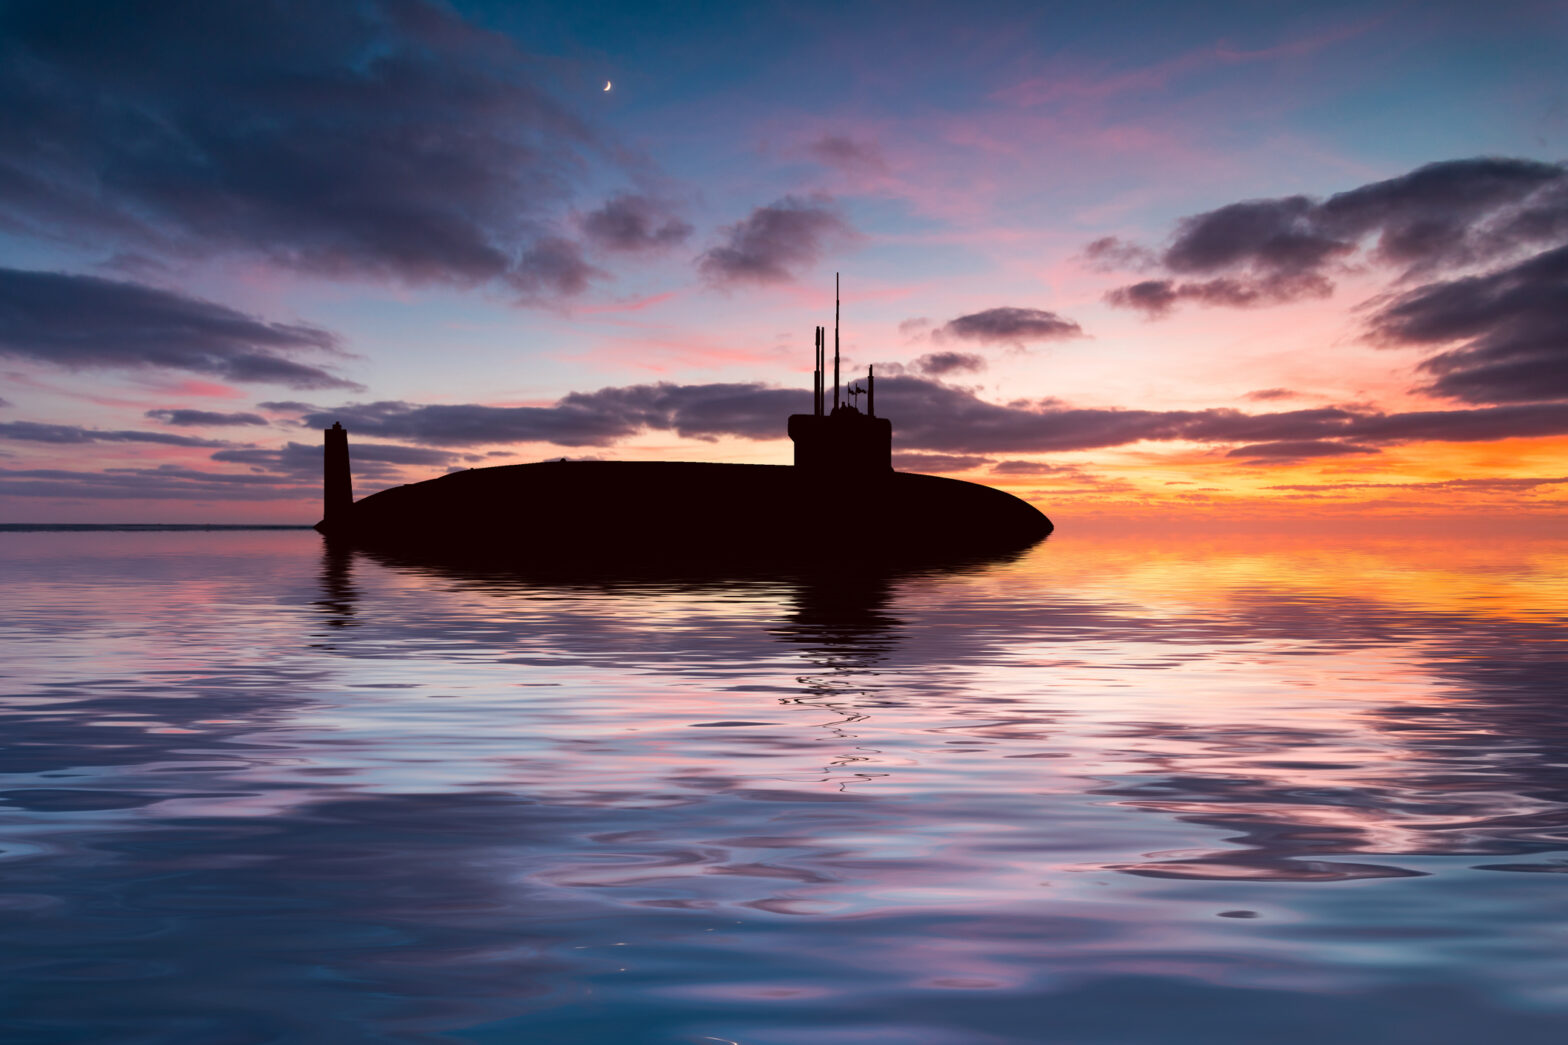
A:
[(1118, 790)]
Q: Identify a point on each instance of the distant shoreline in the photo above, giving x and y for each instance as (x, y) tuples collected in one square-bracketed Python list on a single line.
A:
[(143, 527)]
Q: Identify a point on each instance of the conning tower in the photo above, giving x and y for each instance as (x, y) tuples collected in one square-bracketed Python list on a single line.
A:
[(842, 441)]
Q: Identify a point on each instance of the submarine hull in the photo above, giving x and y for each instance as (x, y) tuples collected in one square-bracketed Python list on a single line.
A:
[(642, 511)]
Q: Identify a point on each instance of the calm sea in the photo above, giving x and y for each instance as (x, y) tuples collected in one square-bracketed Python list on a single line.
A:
[(1113, 792)]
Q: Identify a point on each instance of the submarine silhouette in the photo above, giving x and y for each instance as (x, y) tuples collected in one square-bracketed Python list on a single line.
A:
[(841, 499)]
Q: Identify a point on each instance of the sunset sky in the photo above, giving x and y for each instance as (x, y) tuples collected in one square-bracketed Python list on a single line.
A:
[(1127, 260)]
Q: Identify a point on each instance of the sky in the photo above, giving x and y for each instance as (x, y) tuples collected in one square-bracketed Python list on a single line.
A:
[(1130, 261)]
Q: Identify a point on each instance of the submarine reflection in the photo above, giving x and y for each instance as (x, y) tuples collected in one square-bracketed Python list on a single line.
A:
[(1305, 798), (838, 611)]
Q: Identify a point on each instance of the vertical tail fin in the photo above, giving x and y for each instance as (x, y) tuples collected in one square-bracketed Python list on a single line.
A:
[(336, 479)]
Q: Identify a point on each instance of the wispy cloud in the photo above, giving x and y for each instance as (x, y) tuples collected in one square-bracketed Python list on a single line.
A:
[(301, 460), (86, 322), (1299, 450), (931, 416), (198, 418), (67, 435), (854, 155)]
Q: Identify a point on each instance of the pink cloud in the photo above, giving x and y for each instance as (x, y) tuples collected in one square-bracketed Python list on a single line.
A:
[(200, 389)]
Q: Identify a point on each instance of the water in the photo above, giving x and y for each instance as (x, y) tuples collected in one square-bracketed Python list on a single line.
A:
[(1117, 791)]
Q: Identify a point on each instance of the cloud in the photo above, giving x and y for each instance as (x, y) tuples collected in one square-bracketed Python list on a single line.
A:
[(205, 417), (36, 432), (1487, 483), (1456, 212), (1011, 325), (1110, 253), (287, 406), (552, 266), (303, 461), (1512, 326), (379, 139), (168, 482), (290, 472), (632, 222), (914, 461), (750, 411), (1281, 235), (1518, 421), (847, 154), (1263, 394), (1299, 449), (1031, 468), (1452, 213), (940, 364), (83, 321), (927, 415), (774, 241), (1156, 297), (1501, 335)]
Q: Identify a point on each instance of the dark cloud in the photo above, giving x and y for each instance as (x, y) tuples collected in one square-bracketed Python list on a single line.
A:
[(1299, 449), (552, 266), (290, 472), (1501, 483), (1011, 325), (836, 150), (1511, 326), (1262, 394), (1518, 421), (1453, 212), (1031, 468), (773, 242), (1280, 235), (382, 138), (751, 411), (1155, 297), (84, 321), (370, 460), (939, 364), (472, 424), (632, 222), (204, 417), (914, 461), (164, 483), (287, 406), (36, 432), (1457, 212), (927, 415)]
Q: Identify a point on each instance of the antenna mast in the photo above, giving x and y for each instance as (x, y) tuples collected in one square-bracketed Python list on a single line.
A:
[(835, 341), (818, 375)]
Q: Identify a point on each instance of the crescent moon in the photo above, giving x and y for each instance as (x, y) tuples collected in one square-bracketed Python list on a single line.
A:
[(607, 85)]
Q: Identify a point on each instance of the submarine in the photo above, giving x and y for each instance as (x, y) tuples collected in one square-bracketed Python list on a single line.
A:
[(840, 500)]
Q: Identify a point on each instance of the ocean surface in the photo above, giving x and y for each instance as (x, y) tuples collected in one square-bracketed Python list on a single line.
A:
[(1115, 791)]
